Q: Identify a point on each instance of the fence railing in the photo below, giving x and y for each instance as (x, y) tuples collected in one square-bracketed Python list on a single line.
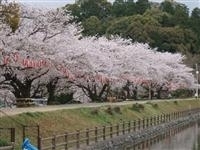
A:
[(88, 136), (7, 138), (32, 132)]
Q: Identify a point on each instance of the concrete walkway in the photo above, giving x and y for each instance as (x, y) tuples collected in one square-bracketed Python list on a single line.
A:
[(15, 111)]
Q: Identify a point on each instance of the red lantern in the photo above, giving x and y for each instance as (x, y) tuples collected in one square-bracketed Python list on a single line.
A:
[(30, 63), (38, 64), (6, 60), (33, 64), (44, 63), (15, 56), (25, 62)]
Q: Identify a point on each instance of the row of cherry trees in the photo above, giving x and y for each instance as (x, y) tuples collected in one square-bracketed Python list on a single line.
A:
[(46, 56)]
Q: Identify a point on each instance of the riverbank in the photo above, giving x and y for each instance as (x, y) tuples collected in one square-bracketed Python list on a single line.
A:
[(59, 121), (147, 135)]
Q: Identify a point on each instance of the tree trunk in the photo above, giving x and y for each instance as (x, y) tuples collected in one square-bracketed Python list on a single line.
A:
[(151, 93), (93, 95), (135, 93), (159, 94), (51, 89), (51, 97)]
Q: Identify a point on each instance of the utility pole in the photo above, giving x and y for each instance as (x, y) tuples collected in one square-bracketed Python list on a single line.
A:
[(197, 77)]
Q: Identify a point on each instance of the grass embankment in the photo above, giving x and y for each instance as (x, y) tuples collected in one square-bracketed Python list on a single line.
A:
[(81, 118)]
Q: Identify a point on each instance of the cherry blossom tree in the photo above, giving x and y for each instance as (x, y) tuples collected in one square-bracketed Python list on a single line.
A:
[(121, 61), (7, 98), (21, 64), (46, 52)]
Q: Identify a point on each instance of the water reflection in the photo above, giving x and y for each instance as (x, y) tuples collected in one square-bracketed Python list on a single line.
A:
[(189, 139)]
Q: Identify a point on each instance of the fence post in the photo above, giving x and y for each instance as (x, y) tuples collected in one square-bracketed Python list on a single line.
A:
[(161, 118), (96, 133), (143, 123), (39, 142), (12, 133), (104, 132), (23, 132), (87, 137), (54, 142), (164, 118), (134, 125), (129, 126), (167, 119), (66, 140), (174, 116), (138, 124), (154, 120), (77, 138), (111, 131), (147, 122), (123, 127), (171, 116), (182, 113), (38, 136), (158, 120), (117, 129), (12, 137)]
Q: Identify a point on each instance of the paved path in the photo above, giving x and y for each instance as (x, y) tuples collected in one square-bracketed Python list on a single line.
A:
[(15, 111)]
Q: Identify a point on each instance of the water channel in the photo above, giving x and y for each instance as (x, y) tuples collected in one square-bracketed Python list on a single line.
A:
[(188, 139)]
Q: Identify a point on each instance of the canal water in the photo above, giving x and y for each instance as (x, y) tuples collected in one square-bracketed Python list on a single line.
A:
[(188, 139)]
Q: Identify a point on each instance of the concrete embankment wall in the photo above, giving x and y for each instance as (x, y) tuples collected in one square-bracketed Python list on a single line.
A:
[(134, 139)]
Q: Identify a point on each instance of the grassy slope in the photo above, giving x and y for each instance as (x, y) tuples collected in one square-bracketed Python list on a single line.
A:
[(70, 120)]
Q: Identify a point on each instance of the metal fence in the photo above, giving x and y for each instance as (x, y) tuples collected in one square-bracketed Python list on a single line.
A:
[(7, 138), (88, 136)]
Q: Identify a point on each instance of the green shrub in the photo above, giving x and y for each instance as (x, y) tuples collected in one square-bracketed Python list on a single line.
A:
[(117, 109), (182, 93), (29, 114), (63, 98), (109, 110), (155, 105), (149, 103), (175, 102), (137, 107), (95, 111), (3, 143)]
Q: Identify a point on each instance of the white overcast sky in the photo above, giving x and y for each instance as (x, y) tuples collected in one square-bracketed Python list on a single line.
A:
[(58, 3)]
